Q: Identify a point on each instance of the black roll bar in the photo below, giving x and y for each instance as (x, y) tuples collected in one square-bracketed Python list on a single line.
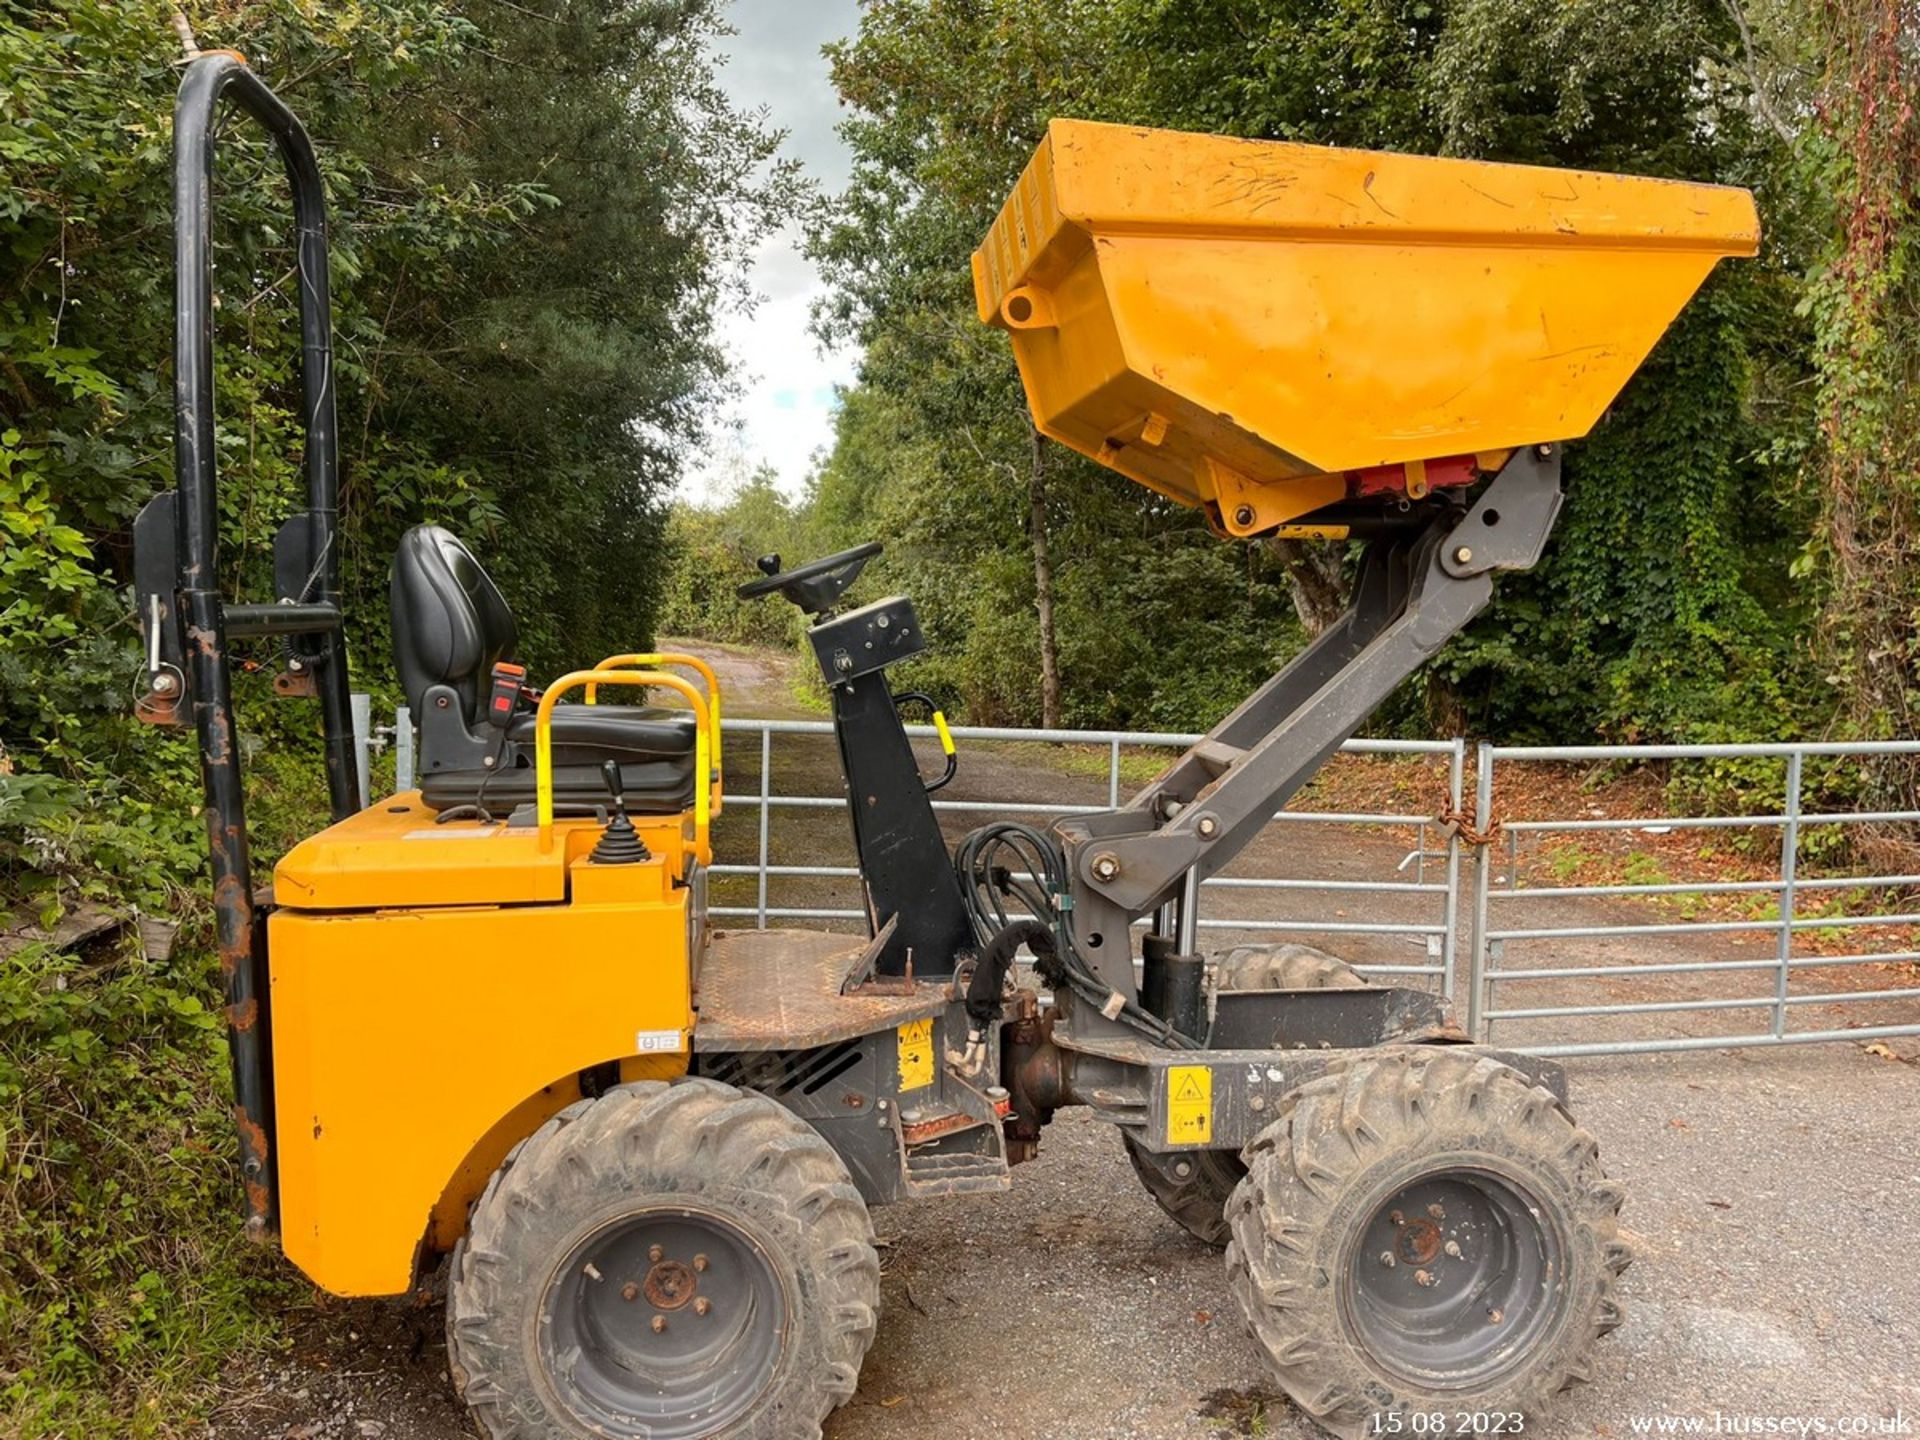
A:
[(185, 610)]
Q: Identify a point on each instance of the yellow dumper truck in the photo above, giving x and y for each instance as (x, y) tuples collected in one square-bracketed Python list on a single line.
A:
[(488, 1019)]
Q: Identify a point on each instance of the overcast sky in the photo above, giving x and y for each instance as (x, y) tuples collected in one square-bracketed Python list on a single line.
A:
[(785, 413)]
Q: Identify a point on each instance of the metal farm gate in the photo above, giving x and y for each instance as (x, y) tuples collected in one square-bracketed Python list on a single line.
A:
[(1562, 934)]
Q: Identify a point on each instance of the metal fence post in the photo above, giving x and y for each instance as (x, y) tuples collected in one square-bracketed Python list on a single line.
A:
[(1449, 943), (361, 707), (1789, 861), (1113, 776), (1477, 957), (402, 749), (766, 813)]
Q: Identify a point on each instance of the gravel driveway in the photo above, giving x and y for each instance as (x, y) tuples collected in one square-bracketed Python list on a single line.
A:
[(1775, 1196)]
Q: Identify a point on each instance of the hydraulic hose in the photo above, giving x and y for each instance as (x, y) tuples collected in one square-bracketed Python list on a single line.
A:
[(990, 971), (1035, 877)]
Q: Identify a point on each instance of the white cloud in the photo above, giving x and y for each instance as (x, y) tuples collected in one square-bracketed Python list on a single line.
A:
[(784, 414)]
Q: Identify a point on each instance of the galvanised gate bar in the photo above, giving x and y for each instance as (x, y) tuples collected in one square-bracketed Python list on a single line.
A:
[(1481, 942)]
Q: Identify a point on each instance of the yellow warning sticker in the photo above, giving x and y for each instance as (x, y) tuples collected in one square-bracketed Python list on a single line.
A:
[(1189, 1105), (916, 1054)]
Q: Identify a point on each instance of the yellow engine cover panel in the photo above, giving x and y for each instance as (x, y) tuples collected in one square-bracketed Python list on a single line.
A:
[(402, 1037), (397, 854), (1205, 314)]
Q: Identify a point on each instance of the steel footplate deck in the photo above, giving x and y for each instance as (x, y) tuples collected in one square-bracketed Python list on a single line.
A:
[(780, 990)]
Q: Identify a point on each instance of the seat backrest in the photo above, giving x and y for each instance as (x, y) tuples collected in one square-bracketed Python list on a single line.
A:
[(450, 625)]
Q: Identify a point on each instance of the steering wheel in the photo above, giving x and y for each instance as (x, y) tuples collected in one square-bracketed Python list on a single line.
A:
[(815, 585)]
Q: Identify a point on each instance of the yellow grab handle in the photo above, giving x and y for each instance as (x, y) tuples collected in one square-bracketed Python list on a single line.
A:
[(940, 729), (669, 657), (703, 727)]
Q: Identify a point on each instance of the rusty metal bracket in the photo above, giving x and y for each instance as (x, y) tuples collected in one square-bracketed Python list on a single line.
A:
[(296, 680), (862, 976)]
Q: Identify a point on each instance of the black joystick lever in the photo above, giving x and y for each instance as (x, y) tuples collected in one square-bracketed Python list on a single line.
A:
[(619, 843)]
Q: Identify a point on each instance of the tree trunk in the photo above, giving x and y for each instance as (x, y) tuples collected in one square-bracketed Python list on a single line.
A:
[(1043, 586), (1315, 578)]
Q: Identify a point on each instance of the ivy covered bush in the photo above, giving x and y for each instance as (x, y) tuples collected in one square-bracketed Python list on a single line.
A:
[(1673, 602), (525, 282)]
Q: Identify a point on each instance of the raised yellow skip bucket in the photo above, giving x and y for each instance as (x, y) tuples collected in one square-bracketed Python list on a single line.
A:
[(1264, 328)]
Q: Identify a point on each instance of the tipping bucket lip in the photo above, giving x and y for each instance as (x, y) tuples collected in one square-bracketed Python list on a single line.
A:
[(1253, 321)]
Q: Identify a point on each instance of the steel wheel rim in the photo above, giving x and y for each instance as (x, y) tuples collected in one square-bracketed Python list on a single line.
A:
[(1474, 1283), (665, 1324)]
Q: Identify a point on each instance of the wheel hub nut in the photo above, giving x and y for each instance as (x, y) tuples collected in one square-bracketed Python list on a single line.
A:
[(670, 1285), (659, 1323), (702, 1305)]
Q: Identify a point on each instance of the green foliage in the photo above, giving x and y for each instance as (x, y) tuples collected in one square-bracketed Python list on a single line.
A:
[(1864, 306), (525, 280), (713, 554), (934, 452), (1664, 610), (122, 1275)]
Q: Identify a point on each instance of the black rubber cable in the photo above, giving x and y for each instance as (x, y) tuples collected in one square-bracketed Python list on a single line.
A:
[(1010, 860)]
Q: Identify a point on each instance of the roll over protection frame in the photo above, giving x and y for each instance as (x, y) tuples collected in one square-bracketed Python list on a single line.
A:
[(186, 621)]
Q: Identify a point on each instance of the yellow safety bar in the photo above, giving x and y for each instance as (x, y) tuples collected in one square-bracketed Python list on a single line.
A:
[(704, 729), (693, 662)]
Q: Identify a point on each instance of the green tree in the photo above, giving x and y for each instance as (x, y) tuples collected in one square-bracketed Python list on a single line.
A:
[(1664, 609), (714, 550), (1020, 553), (537, 208), (572, 367), (1863, 149)]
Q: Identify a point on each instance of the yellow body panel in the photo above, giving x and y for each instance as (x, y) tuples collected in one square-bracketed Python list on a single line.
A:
[(395, 854), (1237, 323), (415, 1041)]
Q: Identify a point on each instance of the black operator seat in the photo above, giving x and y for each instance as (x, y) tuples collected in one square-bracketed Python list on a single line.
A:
[(450, 628)]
